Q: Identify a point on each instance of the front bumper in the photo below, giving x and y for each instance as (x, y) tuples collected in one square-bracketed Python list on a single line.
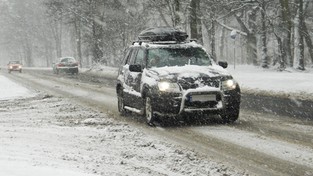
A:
[(68, 69), (15, 68), (193, 101)]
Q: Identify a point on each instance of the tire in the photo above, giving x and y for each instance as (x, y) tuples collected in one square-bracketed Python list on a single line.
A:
[(57, 71), (230, 114), (120, 103), (149, 113), (20, 71), (9, 71)]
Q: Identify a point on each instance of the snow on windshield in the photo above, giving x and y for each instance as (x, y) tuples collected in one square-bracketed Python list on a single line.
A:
[(160, 57)]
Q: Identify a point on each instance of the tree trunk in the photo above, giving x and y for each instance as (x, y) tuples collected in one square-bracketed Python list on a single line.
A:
[(175, 8), (213, 50), (251, 38), (195, 22), (286, 22), (162, 16), (306, 34), (78, 41), (57, 34), (308, 41), (298, 43), (97, 34), (28, 52), (281, 54), (48, 53), (251, 49), (264, 56), (222, 43)]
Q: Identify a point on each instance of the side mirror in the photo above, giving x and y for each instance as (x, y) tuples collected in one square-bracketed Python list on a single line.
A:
[(135, 68), (223, 64)]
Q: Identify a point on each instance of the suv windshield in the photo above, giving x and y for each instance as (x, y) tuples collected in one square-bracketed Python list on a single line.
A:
[(160, 57), (14, 62), (68, 59)]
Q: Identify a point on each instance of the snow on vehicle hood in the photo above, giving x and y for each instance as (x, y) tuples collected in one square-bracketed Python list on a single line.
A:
[(187, 71)]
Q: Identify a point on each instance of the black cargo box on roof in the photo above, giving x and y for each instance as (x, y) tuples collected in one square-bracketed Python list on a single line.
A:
[(163, 34)]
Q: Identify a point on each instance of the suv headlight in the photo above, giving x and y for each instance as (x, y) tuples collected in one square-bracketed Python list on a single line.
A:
[(168, 87), (229, 84)]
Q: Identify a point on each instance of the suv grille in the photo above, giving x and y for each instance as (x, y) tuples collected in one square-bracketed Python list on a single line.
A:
[(192, 83)]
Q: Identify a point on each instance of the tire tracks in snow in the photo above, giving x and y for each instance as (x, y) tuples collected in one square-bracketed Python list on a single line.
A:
[(261, 143)]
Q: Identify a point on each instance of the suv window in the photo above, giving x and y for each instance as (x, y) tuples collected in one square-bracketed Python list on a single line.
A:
[(14, 62), (159, 57), (64, 60), (140, 57), (68, 59), (132, 56), (127, 56)]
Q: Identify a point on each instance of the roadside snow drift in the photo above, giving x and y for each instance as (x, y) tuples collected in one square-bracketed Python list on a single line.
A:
[(52, 136), (12, 90)]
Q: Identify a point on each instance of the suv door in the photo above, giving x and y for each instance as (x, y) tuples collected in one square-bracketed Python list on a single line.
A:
[(133, 80)]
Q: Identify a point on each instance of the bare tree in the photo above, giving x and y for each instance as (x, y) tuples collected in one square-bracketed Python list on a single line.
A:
[(195, 22), (298, 42), (287, 27), (264, 55), (24, 31)]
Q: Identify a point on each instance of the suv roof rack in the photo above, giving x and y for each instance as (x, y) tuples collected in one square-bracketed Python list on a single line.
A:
[(162, 34), (160, 42)]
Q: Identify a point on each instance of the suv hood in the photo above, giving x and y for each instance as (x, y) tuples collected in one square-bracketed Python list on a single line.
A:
[(190, 76), (188, 71)]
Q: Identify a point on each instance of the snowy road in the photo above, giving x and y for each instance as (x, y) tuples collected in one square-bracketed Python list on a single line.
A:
[(258, 144)]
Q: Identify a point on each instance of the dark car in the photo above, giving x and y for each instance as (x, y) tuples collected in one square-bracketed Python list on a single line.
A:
[(175, 78), (15, 66), (67, 65)]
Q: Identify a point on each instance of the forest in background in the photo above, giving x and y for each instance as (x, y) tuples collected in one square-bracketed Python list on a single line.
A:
[(265, 33)]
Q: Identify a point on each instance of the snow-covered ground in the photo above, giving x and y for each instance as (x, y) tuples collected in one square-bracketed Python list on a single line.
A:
[(51, 136), (15, 157), (42, 135), (11, 90), (290, 81)]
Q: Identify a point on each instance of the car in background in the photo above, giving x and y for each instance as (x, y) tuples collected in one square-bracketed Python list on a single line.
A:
[(15, 66), (165, 75), (67, 65)]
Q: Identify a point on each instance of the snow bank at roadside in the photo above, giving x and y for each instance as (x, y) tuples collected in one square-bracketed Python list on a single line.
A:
[(98, 70), (11, 90), (289, 83)]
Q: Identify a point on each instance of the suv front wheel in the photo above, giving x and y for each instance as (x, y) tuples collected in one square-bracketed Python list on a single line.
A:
[(120, 103), (149, 114), (230, 114)]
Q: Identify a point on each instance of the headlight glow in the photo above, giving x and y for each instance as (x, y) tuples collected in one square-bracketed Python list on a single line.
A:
[(168, 87), (229, 84)]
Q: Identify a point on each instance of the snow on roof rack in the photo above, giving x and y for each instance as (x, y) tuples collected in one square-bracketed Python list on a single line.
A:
[(157, 42), (162, 34)]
